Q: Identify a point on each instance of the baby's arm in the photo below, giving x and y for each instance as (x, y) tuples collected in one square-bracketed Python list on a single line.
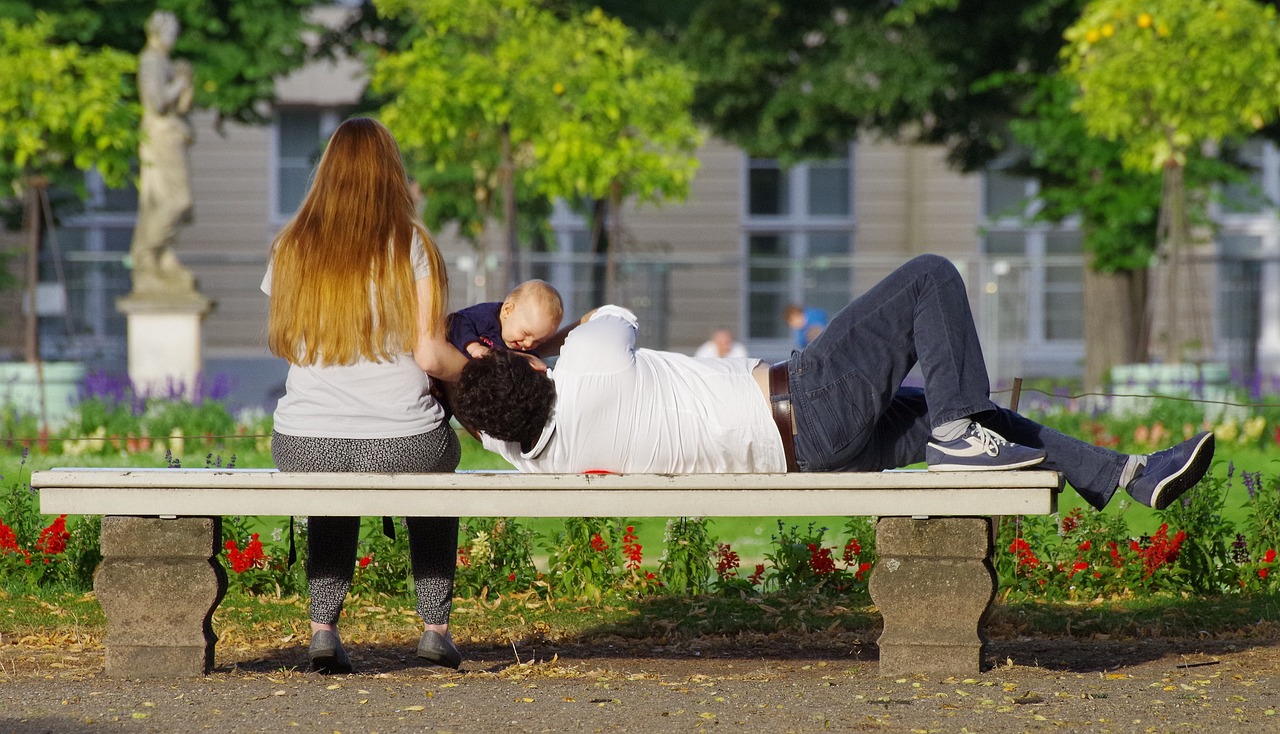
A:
[(478, 349)]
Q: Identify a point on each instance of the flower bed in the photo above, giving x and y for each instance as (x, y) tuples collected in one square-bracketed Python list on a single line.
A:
[(1223, 538)]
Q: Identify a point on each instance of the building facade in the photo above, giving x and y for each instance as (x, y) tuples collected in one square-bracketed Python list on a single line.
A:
[(752, 237)]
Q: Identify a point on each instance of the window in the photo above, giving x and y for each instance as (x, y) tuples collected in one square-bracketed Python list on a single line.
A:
[(1035, 282), (300, 135), (1248, 264), (798, 239), (82, 267)]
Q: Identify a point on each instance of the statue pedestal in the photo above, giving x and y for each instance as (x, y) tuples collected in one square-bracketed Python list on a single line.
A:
[(165, 345)]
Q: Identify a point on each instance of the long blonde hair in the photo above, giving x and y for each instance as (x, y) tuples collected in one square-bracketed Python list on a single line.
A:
[(342, 282)]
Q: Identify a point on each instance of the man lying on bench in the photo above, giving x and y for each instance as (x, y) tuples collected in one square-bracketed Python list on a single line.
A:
[(836, 405)]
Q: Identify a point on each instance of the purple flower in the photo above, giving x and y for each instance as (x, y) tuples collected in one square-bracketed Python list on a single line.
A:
[(1251, 482)]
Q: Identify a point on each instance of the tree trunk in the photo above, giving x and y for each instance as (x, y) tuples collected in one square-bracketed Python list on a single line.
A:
[(599, 245), (511, 268), (34, 220), (1114, 310), (1173, 226), (615, 242)]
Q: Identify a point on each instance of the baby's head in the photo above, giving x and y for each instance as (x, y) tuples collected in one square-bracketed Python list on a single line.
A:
[(530, 315)]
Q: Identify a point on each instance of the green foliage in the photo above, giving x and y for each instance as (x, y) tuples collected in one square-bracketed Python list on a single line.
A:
[(1263, 525), (238, 48), (495, 555), (39, 552), (686, 566), (793, 80), (1205, 555), (251, 570), (584, 105), (586, 559), (63, 105), (622, 124), (803, 564), (1161, 76), (383, 566)]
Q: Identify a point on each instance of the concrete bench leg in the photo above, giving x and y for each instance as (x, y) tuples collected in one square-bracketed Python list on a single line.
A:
[(158, 585), (933, 584)]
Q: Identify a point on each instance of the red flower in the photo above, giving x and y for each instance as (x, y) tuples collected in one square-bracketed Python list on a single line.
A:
[(364, 561), (820, 560), (727, 561), (251, 557), (464, 556), (597, 543), (8, 539), (1269, 556), (851, 550), (758, 576), (1026, 556), (1071, 521), (1263, 573), (1161, 549), (511, 576), (862, 569), (1077, 568), (1114, 551), (53, 539), (1085, 546), (631, 549)]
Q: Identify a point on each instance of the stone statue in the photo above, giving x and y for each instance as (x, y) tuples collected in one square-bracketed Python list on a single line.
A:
[(165, 88)]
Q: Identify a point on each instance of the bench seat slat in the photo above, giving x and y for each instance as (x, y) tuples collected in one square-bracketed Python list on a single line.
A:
[(565, 502), (198, 492)]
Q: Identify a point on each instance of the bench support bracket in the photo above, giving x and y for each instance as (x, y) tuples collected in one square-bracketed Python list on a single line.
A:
[(159, 583), (934, 584)]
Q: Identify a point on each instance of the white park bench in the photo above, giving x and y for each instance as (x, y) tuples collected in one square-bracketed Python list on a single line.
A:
[(160, 579)]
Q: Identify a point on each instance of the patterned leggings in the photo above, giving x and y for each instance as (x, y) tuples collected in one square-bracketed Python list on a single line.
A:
[(331, 541)]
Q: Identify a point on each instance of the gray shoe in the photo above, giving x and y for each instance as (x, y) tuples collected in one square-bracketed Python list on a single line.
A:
[(439, 649), (327, 655)]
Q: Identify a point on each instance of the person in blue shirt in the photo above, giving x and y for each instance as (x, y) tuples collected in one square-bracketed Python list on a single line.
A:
[(805, 323)]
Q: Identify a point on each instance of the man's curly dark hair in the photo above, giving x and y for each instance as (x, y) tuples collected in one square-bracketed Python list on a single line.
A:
[(504, 396)]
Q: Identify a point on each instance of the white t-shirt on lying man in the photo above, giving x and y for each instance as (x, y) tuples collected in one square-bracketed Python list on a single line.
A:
[(627, 410)]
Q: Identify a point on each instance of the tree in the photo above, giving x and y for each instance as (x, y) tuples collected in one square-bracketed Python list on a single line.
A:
[(624, 129), (1163, 77), (792, 80), (61, 106), (530, 101), (238, 48), (1118, 207)]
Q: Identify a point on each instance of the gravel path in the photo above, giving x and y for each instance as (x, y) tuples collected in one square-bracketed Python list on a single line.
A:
[(801, 683)]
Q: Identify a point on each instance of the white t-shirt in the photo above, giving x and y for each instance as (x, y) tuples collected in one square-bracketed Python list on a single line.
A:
[(628, 410), (361, 400)]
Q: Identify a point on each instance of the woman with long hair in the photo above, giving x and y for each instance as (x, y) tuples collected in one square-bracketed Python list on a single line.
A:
[(358, 296)]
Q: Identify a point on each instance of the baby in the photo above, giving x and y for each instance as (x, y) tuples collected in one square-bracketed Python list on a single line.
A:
[(529, 316)]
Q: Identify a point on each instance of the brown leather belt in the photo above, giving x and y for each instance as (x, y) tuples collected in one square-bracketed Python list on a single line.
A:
[(780, 402)]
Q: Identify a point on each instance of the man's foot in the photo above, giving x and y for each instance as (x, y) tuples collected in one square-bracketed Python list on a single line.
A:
[(327, 655), (979, 450), (1170, 473)]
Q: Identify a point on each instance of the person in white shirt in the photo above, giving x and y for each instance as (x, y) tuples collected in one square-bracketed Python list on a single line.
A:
[(836, 405), (721, 344)]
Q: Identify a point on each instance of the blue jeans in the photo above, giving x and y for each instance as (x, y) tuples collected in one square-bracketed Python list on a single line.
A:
[(853, 414)]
